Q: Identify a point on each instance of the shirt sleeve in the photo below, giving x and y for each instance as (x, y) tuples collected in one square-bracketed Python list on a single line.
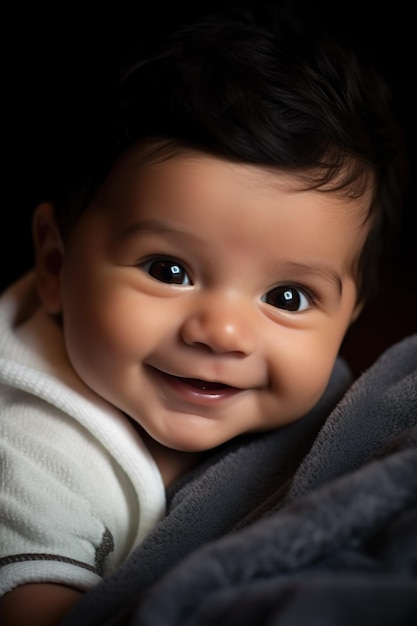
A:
[(66, 513)]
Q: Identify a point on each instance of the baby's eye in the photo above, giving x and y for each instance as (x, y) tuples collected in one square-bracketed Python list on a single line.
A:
[(166, 271), (287, 298)]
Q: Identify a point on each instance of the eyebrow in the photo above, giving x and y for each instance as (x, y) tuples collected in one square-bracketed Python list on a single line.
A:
[(320, 271), (153, 226)]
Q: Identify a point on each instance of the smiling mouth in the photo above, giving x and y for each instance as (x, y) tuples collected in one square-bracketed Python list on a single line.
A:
[(194, 390)]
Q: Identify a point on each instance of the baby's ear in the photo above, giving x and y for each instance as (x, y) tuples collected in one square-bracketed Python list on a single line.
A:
[(49, 255), (357, 311)]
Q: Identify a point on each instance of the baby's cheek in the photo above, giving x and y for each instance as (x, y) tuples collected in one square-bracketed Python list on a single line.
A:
[(302, 377)]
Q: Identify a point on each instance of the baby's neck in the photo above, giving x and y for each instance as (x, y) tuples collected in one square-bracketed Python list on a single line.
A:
[(172, 464)]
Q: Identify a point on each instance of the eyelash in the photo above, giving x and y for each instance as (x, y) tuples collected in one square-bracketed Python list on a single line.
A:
[(171, 268)]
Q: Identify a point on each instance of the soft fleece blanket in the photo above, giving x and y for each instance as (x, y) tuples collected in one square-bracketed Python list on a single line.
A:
[(314, 524)]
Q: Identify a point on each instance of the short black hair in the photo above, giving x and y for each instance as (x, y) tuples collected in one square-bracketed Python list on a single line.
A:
[(268, 92)]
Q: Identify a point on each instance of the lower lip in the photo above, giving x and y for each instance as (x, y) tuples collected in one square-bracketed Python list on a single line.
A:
[(190, 394)]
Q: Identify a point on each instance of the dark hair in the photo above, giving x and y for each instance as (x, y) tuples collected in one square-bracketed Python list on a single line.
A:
[(276, 95)]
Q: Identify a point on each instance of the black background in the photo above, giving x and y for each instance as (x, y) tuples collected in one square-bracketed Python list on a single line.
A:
[(55, 57)]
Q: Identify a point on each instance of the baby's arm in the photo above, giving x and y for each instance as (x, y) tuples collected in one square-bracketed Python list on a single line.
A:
[(37, 604)]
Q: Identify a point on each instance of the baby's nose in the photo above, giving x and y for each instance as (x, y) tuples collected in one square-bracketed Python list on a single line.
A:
[(222, 323)]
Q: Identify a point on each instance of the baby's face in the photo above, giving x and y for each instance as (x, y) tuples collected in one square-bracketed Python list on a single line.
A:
[(206, 299)]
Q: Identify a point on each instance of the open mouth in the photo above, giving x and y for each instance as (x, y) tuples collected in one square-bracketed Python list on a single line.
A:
[(194, 390), (205, 385)]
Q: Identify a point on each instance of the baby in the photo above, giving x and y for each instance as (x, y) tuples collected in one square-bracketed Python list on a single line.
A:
[(195, 275)]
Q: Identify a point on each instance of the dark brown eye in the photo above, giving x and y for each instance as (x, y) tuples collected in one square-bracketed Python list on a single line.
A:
[(287, 298), (166, 271)]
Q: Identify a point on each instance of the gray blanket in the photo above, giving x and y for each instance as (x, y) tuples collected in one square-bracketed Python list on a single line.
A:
[(313, 524)]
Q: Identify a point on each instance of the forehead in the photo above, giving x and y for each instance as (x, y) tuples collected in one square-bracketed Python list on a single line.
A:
[(145, 164)]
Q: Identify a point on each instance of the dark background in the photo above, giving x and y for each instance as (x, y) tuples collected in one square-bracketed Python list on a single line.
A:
[(54, 59)]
